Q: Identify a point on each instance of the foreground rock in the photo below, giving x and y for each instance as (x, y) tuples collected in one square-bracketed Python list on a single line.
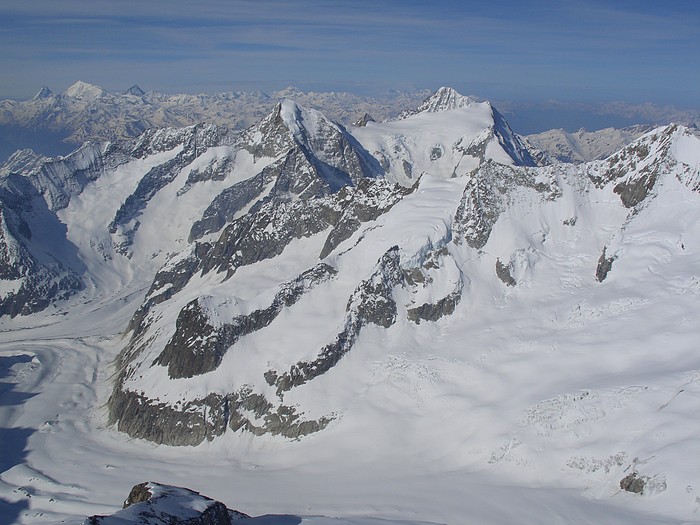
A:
[(155, 504)]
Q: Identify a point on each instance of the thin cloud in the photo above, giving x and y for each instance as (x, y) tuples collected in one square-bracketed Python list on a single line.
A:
[(562, 44)]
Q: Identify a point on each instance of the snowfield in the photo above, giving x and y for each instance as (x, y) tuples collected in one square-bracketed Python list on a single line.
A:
[(528, 403)]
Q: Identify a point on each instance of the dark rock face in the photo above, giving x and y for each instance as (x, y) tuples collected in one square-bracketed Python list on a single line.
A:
[(265, 233), (266, 230), (633, 482), (486, 195), (169, 280), (643, 485), (194, 349), (283, 420), (298, 175), (227, 204), (478, 211), (197, 139), (419, 276), (191, 423), (155, 504), (275, 134), (187, 425), (194, 142), (435, 311), (58, 179), (366, 203), (511, 142), (363, 120), (137, 494), (41, 276), (436, 152), (335, 157), (371, 302), (632, 192), (474, 149), (636, 177), (503, 271), (198, 347), (604, 266), (216, 170)]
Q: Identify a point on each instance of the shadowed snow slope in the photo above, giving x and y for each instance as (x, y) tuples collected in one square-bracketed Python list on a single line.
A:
[(473, 340)]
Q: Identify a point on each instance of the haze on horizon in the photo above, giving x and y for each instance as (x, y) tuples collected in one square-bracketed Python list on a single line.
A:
[(588, 51)]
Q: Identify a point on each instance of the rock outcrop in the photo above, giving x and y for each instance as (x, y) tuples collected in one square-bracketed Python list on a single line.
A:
[(155, 504)]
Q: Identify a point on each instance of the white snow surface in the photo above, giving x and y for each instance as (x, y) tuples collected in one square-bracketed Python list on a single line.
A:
[(527, 405), (433, 142), (84, 91)]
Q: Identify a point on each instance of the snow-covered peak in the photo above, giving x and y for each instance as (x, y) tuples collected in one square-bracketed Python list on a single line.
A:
[(83, 90), (445, 99), (288, 123), (136, 91), (304, 122), (43, 93), (290, 92), (363, 120), (449, 136)]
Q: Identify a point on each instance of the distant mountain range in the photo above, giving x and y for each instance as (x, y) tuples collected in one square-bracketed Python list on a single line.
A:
[(582, 145), (58, 123), (55, 124)]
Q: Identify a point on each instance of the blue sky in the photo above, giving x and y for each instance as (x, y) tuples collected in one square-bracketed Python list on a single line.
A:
[(584, 50)]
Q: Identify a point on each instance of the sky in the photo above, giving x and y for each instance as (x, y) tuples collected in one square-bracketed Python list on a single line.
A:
[(570, 50)]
